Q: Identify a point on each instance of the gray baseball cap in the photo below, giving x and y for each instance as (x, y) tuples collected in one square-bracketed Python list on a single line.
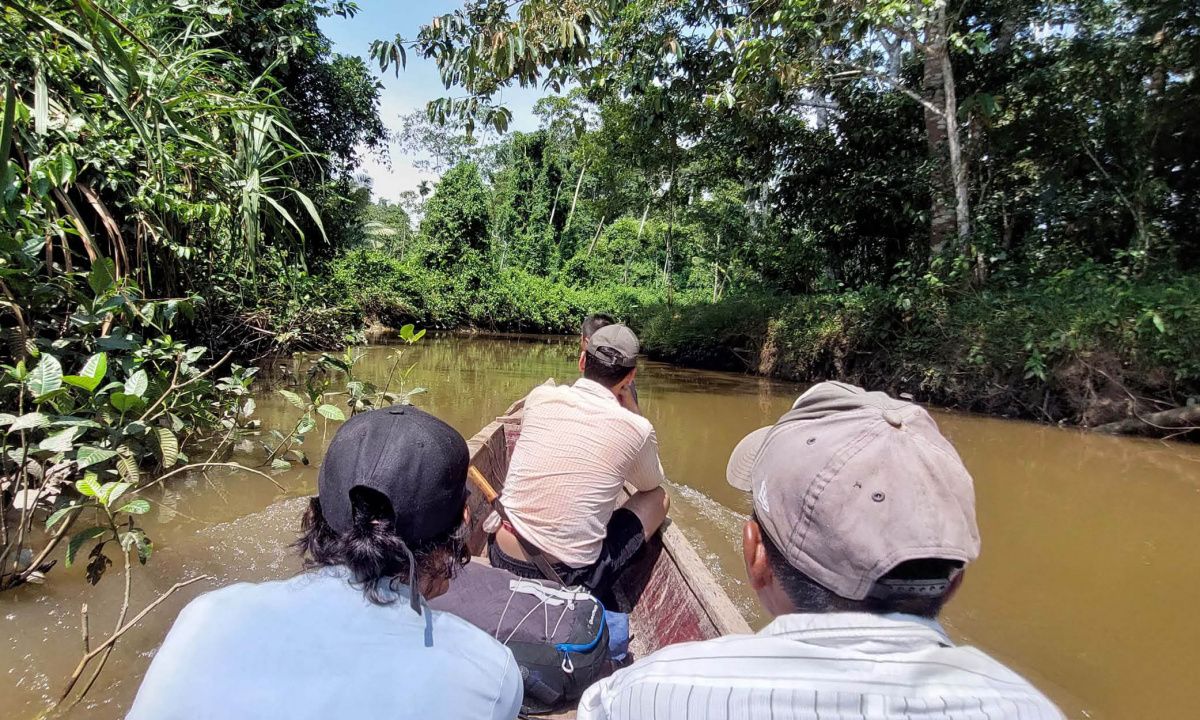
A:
[(614, 345), (849, 484)]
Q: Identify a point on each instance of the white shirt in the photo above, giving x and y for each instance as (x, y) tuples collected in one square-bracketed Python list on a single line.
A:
[(314, 647), (577, 448), (831, 666)]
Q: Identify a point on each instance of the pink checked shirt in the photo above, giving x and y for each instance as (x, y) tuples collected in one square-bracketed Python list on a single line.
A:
[(578, 447)]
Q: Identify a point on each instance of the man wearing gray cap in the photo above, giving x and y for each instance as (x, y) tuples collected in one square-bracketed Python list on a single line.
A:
[(863, 521), (579, 445)]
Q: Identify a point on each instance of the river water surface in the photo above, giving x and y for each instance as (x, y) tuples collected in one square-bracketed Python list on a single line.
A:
[(1087, 583)]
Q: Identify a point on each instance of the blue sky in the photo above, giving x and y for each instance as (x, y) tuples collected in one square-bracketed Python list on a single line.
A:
[(416, 85)]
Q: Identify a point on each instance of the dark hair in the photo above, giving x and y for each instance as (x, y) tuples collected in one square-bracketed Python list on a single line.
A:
[(372, 550), (607, 374), (594, 322), (810, 596)]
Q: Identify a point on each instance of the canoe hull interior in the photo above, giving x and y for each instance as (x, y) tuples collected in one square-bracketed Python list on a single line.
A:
[(670, 593)]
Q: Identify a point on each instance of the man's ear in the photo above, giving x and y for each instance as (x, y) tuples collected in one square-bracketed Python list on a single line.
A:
[(625, 381), (758, 566), (582, 359)]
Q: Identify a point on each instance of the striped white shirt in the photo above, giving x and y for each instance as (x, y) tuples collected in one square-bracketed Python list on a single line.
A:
[(819, 666), (578, 447)]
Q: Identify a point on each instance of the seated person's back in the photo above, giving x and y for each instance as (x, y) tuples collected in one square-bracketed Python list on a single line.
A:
[(350, 637), (579, 445), (863, 520)]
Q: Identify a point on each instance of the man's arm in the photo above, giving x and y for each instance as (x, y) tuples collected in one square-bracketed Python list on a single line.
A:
[(512, 690), (647, 471)]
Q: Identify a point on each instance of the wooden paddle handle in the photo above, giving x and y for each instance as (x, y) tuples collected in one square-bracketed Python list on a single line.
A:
[(481, 483)]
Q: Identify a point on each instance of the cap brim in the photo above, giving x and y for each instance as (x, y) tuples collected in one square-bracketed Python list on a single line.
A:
[(741, 462)]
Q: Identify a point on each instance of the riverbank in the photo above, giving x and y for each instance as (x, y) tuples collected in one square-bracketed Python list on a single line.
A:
[(1080, 348), (1084, 347)]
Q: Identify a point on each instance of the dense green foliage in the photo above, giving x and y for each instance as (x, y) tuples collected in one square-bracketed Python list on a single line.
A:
[(169, 172), (986, 204)]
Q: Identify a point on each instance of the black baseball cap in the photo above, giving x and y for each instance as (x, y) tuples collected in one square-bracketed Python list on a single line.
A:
[(414, 459)]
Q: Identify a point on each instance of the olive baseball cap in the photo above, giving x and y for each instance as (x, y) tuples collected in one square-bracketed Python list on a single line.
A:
[(614, 345), (848, 484)]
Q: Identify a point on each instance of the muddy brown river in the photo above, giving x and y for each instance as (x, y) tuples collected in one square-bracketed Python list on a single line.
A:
[(1087, 583)]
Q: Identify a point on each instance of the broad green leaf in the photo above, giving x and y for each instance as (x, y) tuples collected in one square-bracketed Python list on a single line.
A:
[(406, 331), (294, 399), (87, 456), (138, 506), (168, 446), (128, 468), (331, 412), (79, 539), (29, 421), (306, 423), (88, 485), (137, 384), (110, 491), (7, 419), (280, 464), (60, 442), (125, 402), (102, 277), (92, 374), (46, 377), (57, 515), (248, 408), (73, 421), (1158, 322)]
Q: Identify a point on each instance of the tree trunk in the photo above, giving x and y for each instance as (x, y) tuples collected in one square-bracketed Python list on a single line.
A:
[(1168, 422), (958, 164), (554, 206), (596, 239), (575, 199), (949, 189)]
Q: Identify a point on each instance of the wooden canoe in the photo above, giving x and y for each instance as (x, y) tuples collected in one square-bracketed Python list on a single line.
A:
[(670, 594)]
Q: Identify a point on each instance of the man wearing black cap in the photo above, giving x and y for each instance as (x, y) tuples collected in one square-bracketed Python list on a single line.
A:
[(353, 636), (579, 445)]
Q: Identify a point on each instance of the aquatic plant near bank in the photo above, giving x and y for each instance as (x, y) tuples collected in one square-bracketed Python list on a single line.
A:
[(315, 400)]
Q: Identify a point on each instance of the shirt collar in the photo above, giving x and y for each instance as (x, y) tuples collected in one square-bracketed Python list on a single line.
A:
[(867, 632), (591, 387)]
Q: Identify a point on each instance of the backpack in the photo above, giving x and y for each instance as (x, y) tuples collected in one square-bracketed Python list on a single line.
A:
[(558, 636)]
